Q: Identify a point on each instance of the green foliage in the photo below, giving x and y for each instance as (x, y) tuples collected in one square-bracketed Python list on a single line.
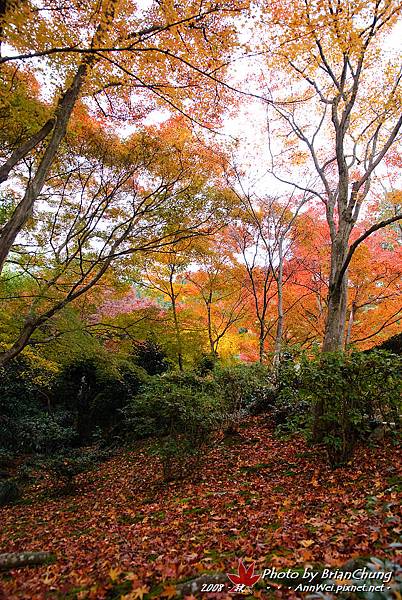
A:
[(349, 390), (7, 206), (9, 492), (43, 410), (45, 433), (246, 388), (291, 411), (205, 364), (20, 109), (183, 411), (95, 392), (67, 466), (151, 357), (25, 426), (392, 344)]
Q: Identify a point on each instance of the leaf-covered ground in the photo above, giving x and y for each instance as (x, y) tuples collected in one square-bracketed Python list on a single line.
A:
[(275, 502)]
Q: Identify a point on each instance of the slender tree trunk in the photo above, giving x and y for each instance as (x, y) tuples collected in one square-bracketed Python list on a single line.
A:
[(176, 323), (24, 209), (209, 325), (261, 342), (279, 327), (350, 325)]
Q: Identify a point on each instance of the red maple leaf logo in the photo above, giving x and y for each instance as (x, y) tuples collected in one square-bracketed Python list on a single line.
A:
[(244, 576)]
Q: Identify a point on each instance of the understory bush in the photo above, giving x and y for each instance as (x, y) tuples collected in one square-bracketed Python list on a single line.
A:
[(64, 468), (9, 492), (291, 410), (26, 420), (246, 388), (151, 357), (45, 433), (95, 392), (184, 412), (44, 409), (349, 391)]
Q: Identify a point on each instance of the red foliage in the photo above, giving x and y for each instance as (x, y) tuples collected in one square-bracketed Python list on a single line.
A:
[(273, 502)]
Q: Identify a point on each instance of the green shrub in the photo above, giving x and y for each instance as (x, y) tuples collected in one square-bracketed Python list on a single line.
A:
[(9, 492), (392, 344), (65, 467), (246, 388), (205, 364), (183, 411), (28, 421), (349, 390), (151, 357), (291, 411), (6, 459), (95, 392), (44, 433)]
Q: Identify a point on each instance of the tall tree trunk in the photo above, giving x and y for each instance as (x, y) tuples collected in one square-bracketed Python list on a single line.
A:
[(261, 342), (24, 209), (209, 325), (337, 297), (336, 316), (350, 325), (176, 323), (279, 327)]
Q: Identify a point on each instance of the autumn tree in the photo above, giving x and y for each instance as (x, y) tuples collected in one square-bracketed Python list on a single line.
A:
[(163, 274), (105, 201), (216, 291), (264, 236), (123, 60), (335, 106)]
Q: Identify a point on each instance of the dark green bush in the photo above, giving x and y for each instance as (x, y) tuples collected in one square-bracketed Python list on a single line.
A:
[(205, 364), (151, 357), (246, 388), (291, 411), (28, 420), (6, 459), (64, 468), (184, 412), (95, 392), (9, 492), (348, 391), (45, 433), (392, 344)]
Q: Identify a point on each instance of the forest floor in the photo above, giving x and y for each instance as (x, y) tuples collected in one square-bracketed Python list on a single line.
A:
[(126, 534)]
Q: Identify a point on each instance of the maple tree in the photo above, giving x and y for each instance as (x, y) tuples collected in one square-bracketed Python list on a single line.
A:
[(264, 236), (106, 52), (373, 285), (216, 293), (166, 277), (105, 210), (338, 122)]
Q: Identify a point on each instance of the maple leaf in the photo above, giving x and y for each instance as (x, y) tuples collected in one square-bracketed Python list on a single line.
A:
[(114, 573), (169, 592), (245, 576), (137, 594), (307, 543)]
